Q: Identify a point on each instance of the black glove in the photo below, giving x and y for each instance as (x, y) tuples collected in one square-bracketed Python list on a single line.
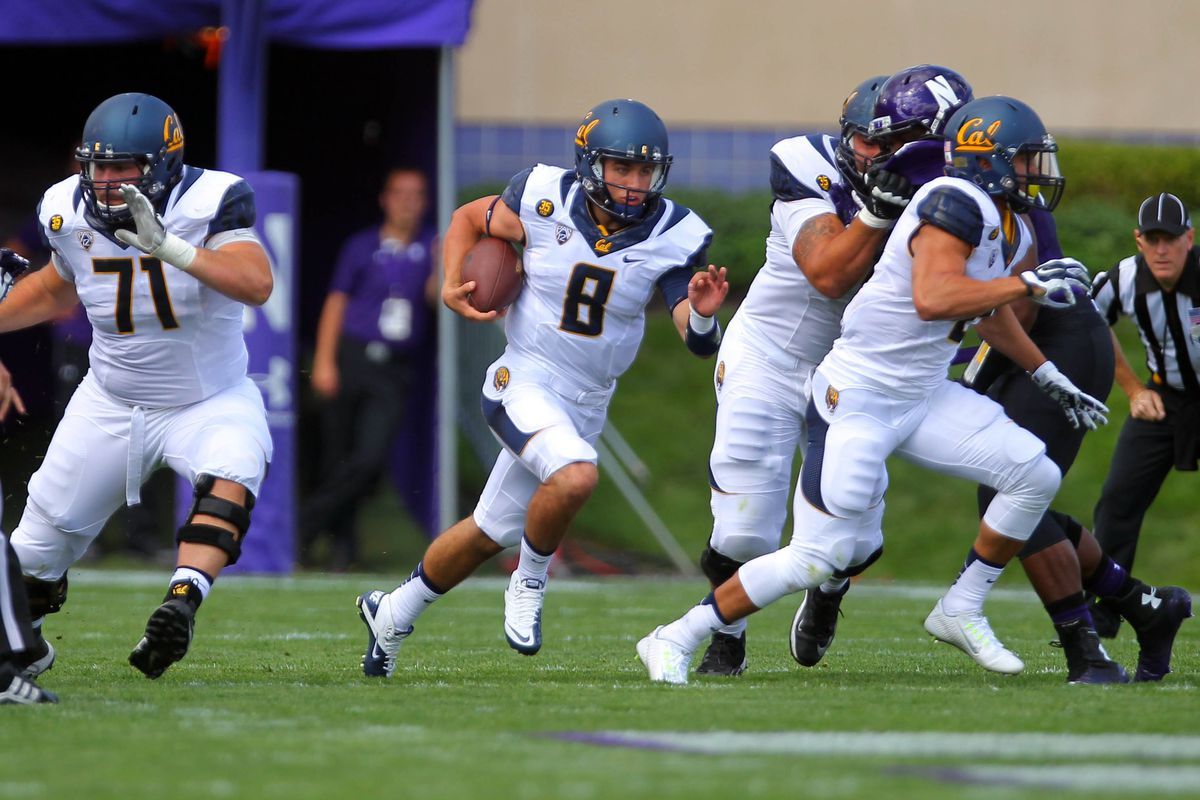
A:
[(12, 266), (887, 193)]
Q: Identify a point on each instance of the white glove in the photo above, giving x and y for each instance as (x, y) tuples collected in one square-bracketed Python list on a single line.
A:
[(1061, 282), (1080, 407), (152, 237)]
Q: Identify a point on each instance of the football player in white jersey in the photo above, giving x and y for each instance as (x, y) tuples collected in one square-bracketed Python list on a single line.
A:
[(163, 257), (883, 389), (598, 241), (833, 208)]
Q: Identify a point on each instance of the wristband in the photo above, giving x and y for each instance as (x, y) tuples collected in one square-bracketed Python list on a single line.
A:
[(703, 334), (700, 323), (176, 252), (872, 221)]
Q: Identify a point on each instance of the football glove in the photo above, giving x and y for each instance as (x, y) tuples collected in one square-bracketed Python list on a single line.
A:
[(12, 266), (152, 237), (1062, 281), (1081, 408)]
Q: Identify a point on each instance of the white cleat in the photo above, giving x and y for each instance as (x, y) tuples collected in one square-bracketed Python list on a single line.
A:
[(523, 614), (971, 633), (666, 661), (383, 640)]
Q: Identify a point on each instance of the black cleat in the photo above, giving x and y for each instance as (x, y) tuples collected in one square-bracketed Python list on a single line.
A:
[(168, 636), (1106, 618), (726, 655), (814, 625), (35, 660), (1087, 663), (1161, 611), (21, 691)]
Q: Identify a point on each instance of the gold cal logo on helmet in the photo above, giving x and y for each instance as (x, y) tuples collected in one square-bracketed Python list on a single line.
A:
[(581, 135), (501, 378), (172, 134), (972, 137)]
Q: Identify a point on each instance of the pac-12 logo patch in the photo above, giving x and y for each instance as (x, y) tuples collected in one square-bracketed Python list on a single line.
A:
[(85, 239), (545, 208), (501, 378), (56, 223), (831, 398), (562, 233), (824, 182)]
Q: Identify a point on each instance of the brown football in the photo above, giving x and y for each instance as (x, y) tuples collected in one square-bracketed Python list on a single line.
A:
[(495, 266)]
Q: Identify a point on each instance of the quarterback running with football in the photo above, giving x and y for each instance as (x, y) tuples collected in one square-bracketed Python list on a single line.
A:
[(599, 240), (164, 258)]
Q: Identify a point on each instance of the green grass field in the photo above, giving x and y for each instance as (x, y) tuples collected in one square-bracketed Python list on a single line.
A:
[(270, 703)]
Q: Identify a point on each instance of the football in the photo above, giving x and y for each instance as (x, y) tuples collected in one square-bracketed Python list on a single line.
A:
[(495, 266)]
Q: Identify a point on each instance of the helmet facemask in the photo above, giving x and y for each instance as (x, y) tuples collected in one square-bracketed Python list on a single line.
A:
[(113, 214), (600, 192), (1041, 185)]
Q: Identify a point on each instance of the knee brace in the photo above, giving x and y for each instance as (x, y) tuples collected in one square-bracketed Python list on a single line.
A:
[(716, 567), (45, 597), (855, 570), (205, 503), (1023, 498)]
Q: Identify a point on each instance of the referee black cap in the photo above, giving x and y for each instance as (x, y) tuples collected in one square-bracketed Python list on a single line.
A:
[(1164, 212)]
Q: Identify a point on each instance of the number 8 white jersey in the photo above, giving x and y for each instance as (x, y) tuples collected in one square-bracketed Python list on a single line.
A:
[(581, 314), (160, 337)]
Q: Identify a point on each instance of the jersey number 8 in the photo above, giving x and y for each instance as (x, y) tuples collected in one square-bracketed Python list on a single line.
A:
[(583, 305)]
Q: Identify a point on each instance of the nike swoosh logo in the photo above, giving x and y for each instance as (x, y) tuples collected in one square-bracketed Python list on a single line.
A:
[(513, 634), (629, 260)]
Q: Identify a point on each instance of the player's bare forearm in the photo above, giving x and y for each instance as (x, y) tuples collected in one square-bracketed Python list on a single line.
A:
[(238, 270), (38, 298), (941, 288), (1004, 332), (833, 257)]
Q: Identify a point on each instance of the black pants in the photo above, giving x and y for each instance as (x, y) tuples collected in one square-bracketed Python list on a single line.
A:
[(1145, 453), (1078, 342), (16, 633), (357, 431)]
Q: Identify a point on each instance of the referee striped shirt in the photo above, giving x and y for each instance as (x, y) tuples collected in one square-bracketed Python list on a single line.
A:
[(1167, 321)]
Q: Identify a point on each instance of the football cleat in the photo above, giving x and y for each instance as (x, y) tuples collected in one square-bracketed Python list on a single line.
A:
[(665, 661), (383, 640), (37, 659), (167, 639), (523, 614), (1106, 619), (971, 633), (726, 655), (1087, 662), (1162, 611), (814, 625), (21, 691)]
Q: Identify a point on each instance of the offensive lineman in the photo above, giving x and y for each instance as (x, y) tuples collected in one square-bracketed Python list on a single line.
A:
[(598, 241), (883, 388), (833, 209), (162, 256)]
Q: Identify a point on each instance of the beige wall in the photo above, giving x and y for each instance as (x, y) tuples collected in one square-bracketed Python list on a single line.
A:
[(1107, 66)]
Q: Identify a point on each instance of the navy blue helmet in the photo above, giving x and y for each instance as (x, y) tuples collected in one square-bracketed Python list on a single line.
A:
[(916, 102), (130, 127), (858, 110), (1001, 145), (625, 130)]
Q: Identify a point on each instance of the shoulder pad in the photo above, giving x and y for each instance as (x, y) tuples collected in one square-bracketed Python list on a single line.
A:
[(954, 212), (786, 186), (235, 211), (511, 196)]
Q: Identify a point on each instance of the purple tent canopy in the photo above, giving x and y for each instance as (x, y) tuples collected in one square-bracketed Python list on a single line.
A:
[(344, 24)]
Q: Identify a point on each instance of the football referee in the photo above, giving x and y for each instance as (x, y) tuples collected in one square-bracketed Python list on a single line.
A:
[(1159, 288)]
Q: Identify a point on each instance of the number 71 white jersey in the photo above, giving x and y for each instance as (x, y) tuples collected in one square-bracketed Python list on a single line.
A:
[(160, 337), (581, 314)]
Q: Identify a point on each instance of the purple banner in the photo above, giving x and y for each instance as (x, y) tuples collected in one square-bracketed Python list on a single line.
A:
[(271, 339), (344, 24)]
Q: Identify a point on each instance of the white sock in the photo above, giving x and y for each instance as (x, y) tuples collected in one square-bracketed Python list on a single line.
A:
[(735, 629), (834, 585), (533, 565), (411, 598), (690, 630), (972, 587), (195, 577)]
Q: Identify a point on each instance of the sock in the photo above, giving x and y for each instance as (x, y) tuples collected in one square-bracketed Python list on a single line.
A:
[(411, 598), (972, 586), (192, 584), (1069, 609), (834, 586), (700, 622), (734, 629), (534, 565), (1110, 579)]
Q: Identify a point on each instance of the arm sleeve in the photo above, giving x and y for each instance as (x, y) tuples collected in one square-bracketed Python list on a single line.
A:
[(236, 210), (673, 286)]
